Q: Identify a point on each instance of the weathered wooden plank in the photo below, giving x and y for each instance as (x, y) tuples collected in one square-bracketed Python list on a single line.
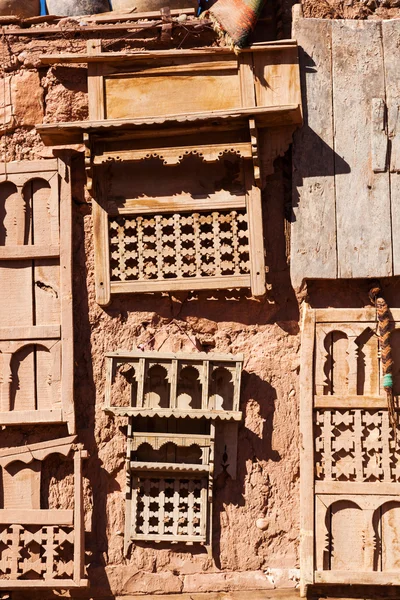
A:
[(391, 45), (25, 252), (306, 452), (379, 141), (67, 327), (313, 252), (362, 196)]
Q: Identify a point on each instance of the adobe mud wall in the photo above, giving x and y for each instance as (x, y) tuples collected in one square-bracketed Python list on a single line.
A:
[(266, 332)]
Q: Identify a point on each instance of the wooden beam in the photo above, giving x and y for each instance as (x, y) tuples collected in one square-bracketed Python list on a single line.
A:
[(72, 132), (155, 54), (42, 517)]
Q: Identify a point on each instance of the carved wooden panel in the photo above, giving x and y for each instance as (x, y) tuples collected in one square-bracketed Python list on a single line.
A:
[(175, 402), (181, 385), (36, 346), (350, 461), (200, 229), (39, 547), (169, 489)]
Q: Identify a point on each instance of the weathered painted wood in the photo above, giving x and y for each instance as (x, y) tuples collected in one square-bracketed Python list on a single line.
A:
[(313, 251), (391, 48), (362, 196)]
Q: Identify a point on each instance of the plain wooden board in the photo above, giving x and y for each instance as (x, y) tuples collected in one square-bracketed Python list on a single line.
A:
[(391, 42), (306, 452), (156, 96), (362, 197), (313, 232)]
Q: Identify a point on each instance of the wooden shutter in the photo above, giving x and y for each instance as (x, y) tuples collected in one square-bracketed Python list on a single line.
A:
[(36, 333)]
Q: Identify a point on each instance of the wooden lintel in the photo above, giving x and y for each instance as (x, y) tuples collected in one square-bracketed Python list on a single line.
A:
[(61, 133), (150, 54), (174, 155)]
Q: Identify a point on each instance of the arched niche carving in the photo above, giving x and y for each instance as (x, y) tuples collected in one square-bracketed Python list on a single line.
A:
[(347, 525), (336, 368), (37, 195), (157, 387), (189, 388), (221, 388), (31, 386), (21, 485), (169, 452), (14, 216), (125, 384)]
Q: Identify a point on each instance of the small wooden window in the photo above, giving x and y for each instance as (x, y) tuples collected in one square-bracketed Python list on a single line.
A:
[(185, 227), (175, 403)]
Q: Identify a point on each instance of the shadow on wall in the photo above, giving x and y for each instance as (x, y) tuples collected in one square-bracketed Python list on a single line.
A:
[(318, 158)]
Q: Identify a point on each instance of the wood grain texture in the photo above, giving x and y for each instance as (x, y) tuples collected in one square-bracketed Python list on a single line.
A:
[(313, 242), (306, 452), (362, 196), (391, 44)]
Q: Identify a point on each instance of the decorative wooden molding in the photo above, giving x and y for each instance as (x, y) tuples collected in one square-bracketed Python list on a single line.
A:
[(174, 471), (198, 385), (41, 548), (350, 461), (36, 337), (174, 155)]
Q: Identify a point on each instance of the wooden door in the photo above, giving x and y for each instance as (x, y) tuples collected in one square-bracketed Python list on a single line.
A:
[(346, 157)]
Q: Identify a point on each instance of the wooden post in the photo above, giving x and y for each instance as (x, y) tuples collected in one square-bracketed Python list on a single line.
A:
[(67, 326), (256, 237), (79, 522), (306, 451)]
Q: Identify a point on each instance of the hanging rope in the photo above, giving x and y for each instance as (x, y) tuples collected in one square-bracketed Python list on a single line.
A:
[(383, 317)]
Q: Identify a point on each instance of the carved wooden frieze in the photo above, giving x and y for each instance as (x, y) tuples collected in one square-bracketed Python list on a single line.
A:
[(40, 547), (180, 385), (181, 407), (350, 462), (36, 344)]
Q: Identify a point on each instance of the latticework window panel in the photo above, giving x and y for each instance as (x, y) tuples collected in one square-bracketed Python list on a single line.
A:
[(350, 469), (188, 227), (31, 552), (355, 445), (169, 508), (40, 547), (180, 245)]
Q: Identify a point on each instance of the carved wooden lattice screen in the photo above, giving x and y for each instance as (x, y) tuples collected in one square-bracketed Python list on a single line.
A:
[(40, 547), (163, 228), (175, 403), (350, 461), (36, 344)]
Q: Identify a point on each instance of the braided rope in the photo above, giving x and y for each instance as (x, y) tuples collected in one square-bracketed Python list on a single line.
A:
[(383, 315)]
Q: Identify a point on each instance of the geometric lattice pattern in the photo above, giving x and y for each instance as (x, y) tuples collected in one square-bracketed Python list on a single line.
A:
[(36, 552), (355, 445), (168, 246), (169, 506)]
